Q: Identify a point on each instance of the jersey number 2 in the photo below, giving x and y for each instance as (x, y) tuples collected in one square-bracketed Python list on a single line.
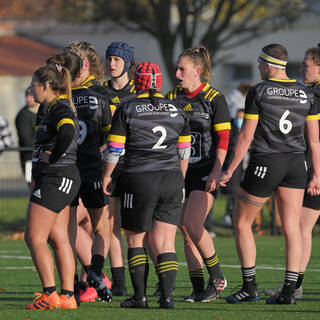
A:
[(163, 136)]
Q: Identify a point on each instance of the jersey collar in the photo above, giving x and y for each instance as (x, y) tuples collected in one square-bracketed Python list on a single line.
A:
[(147, 95), (280, 80)]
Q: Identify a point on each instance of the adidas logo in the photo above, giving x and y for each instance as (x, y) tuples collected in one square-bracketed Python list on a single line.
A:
[(116, 100), (37, 193), (188, 107)]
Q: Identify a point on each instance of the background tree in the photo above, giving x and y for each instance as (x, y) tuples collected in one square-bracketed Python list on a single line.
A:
[(217, 24)]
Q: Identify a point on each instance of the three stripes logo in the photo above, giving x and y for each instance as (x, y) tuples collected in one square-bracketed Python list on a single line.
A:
[(97, 185), (260, 171), (116, 100), (128, 200), (66, 185), (188, 107)]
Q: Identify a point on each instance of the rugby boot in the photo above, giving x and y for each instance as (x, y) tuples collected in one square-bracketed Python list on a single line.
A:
[(166, 303), (210, 292), (275, 291), (132, 302), (88, 294), (281, 299), (243, 296), (44, 301), (98, 283), (195, 296), (68, 302)]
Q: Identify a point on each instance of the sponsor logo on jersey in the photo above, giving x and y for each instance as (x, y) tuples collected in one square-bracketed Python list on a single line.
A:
[(116, 100), (37, 193), (288, 92), (157, 109), (198, 114), (188, 107), (85, 101)]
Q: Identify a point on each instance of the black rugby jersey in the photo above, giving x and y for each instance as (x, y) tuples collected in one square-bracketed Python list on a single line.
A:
[(117, 97), (94, 123), (207, 113), (150, 133), (282, 107), (58, 113)]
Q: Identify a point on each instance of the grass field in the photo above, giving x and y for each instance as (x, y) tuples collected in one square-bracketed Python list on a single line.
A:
[(20, 281)]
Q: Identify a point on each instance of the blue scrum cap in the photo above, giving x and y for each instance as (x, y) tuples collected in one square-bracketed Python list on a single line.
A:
[(123, 50)]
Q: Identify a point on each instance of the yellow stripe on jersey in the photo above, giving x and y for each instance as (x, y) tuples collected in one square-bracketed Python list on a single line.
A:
[(116, 138), (222, 126), (79, 87), (281, 80), (184, 139), (62, 96), (251, 116), (313, 117), (106, 128), (64, 121), (316, 84), (113, 107), (214, 94), (206, 87), (147, 95), (86, 82)]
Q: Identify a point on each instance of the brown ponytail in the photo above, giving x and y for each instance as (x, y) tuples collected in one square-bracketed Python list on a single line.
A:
[(200, 57)]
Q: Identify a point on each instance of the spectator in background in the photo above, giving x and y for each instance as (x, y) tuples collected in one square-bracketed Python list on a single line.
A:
[(25, 125), (237, 97), (5, 134)]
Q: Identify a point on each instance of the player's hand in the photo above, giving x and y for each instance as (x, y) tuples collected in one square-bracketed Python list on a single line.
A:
[(314, 186), (106, 185), (212, 182), (224, 177), (44, 156)]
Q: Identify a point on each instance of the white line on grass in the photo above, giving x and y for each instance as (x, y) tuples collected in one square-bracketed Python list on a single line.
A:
[(232, 266)]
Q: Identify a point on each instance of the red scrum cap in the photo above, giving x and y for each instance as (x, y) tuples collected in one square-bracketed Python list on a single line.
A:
[(147, 76)]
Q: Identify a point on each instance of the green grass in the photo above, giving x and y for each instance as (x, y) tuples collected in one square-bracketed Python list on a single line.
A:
[(20, 284)]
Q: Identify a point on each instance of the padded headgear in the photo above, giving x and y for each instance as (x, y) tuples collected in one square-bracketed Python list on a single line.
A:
[(123, 50), (147, 76)]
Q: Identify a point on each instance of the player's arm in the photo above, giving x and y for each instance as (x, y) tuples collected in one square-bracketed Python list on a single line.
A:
[(312, 134), (184, 147), (221, 128), (115, 145)]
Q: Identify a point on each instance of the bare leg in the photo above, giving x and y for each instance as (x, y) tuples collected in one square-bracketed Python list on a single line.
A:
[(39, 224), (59, 242), (308, 220)]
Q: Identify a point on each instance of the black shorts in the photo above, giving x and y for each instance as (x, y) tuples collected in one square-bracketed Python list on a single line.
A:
[(148, 196), (309, 201), (115, 189), (196, 179), (55, 188), (266, 172), (92, 195)]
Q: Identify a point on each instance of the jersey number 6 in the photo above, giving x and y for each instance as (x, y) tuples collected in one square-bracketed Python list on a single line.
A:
[(285, 125)]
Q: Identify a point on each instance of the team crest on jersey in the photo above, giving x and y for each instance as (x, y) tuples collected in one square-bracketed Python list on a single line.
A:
[(188, 107), (116, 100)]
